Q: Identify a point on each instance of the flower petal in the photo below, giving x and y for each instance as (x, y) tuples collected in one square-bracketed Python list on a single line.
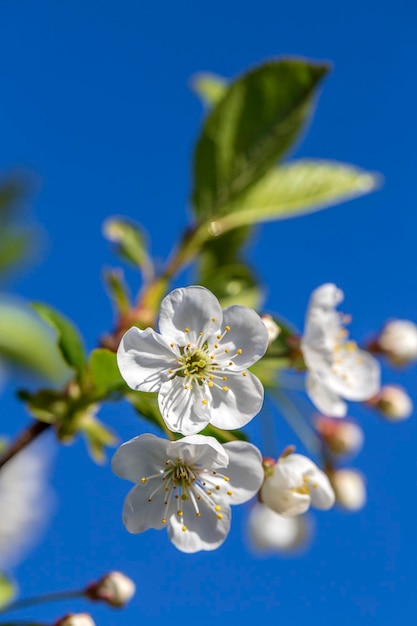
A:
[(328, 402), (247, 333), (326, 296), (321, 491), (182, 408), (245, 472), (286, 501), (237, 406), (140, 457), (205, 532), (144, 358), (138, 513), (194, 308), (356, 376), (200, 450)]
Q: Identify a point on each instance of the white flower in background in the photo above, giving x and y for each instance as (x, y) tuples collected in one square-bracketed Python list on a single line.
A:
[(271, 326), (293, 484), (340, 436), (350, 489), (76, 619), (25, 502), (398, 341), (271, 532), (198, 363), (187, 486), (393, 403), (337, 368)]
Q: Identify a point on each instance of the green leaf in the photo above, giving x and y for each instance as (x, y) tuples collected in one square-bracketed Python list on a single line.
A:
[(224, 436), (69, 340), (7, 590), (233, 284), (146, 404), (104, 373), (210, 87), (129, 240), (117, 290), (298, 188), (26, 342), (253, 125)]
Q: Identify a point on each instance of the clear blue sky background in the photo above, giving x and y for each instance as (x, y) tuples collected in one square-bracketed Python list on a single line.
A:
[(95, 101)]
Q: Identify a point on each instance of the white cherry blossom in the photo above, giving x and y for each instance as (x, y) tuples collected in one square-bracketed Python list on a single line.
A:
[(198, 362), (337, 368), (293, 484), (187, 486), (269, 531), (398, 341)]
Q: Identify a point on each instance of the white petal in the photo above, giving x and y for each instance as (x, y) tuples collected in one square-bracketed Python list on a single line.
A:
[(144, 358), (193, 308), (182, 408), (206, 532), (201, 450), (285, 502), (355, 377), (139, 514), (247, 333), (139, 457), (328, 402), (321, 491), (245, 472), (326, 296), (237, 406)]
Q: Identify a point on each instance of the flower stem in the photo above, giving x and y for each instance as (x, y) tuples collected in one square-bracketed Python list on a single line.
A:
[(28, 435), (42, 599)]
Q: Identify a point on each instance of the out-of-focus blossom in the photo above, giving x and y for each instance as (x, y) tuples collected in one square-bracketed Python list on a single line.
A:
[(115, 588), (337, 368), (340, 436), (198, 362), (187, 486), (76, 619), (271, 326), (398, 342), (293, 484), (269, 531), (350, 489), (25, 502), (393, 403)]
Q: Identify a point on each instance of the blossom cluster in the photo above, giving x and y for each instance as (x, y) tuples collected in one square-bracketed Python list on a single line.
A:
[(198, 364)]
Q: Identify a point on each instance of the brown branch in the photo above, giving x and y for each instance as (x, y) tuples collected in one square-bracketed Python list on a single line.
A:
[(29, 434)]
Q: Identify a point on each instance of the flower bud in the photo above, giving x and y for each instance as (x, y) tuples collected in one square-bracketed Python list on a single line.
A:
[(271, 326), (393, 403), (269, 531), (114, 588), (349, 487), (398, 342), (76, 619), (340, 436)]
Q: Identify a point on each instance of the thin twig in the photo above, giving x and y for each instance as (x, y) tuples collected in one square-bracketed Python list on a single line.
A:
[(28, 435)]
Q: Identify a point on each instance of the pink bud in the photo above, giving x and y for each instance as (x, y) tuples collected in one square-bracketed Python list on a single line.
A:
[(114, 588)]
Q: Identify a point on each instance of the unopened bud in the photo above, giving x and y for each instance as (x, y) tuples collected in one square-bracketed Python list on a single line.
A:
[(76, 619), (350, 490), (393, 403), (340, 436), (398, 341), (271, 326), (114, 588)]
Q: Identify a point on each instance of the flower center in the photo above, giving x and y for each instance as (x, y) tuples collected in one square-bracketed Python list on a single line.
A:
[(183, 482)]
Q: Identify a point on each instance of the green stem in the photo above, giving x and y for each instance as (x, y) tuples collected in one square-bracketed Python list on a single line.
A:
[(42, 599)]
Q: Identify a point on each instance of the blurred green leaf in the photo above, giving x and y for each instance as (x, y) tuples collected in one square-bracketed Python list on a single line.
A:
[(210, 87), (104, 373), (117, 290), (69, 340), (26, 342), (129, 240), (7, 590), (97, 436), (233, 284), (45, 405), (224, 436), (297, 188), (146, 404), (251, 127)]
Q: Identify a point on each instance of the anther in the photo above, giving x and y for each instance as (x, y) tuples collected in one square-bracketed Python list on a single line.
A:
[(219, 516), (180, 513), (143, 480), (213, 319), (163, 520), (226, 478), (229, 493), (224, 378), (186, 330), (217, 487), (226, 350), (239, 350), (225, 388), (244, 373), (198, 514), (183, 528), (203, 401), (227, 328), (218, 507)]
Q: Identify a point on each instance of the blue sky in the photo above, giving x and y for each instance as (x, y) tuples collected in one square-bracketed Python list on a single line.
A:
[(96, 103)]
